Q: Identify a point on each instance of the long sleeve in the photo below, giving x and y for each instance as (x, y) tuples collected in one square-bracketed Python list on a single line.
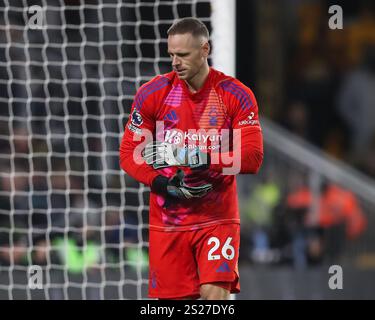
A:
[(139, 131), (130, 160), (247, 153), (250, 153)]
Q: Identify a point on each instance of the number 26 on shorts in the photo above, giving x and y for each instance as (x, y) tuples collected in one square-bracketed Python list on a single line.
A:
[(227, 250)]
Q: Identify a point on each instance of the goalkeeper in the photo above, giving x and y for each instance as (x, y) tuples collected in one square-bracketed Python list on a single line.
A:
[(190, 131)]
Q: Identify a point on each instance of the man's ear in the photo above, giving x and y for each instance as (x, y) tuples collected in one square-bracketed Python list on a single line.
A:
[(206, 49)]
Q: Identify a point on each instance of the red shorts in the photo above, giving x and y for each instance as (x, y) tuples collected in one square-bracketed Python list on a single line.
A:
[(181, 261)]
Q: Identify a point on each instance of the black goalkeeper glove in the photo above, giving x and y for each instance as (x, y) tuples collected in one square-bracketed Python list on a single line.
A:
[(176, 187), (163, 154)]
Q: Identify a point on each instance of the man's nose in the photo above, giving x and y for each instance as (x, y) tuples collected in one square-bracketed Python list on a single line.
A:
[(175, 61)]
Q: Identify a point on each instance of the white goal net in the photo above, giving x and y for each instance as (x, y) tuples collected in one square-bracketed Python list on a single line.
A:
[(68, 72)]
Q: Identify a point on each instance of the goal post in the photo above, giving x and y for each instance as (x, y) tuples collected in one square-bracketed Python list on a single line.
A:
[(223, 19)]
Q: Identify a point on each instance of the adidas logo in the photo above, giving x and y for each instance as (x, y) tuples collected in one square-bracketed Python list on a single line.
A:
[(171, 116), (223, 267)]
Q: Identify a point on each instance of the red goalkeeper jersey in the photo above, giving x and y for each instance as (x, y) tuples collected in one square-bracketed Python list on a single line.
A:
[(224, 109)]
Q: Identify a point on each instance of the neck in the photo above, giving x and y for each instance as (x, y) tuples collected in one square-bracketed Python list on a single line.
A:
[(197, 81)]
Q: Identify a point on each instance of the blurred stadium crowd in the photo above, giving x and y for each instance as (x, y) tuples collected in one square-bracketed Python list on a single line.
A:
[(329, 99), (62, 109), (330, 82)]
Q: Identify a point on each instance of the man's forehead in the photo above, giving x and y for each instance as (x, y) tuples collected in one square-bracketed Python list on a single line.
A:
[(184, 39)]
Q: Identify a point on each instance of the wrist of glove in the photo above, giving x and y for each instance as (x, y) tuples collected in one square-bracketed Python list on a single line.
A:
[(177, 188), (162, 154)]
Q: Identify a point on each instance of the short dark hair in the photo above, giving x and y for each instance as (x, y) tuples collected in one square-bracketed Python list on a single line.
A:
[(189, 25)]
